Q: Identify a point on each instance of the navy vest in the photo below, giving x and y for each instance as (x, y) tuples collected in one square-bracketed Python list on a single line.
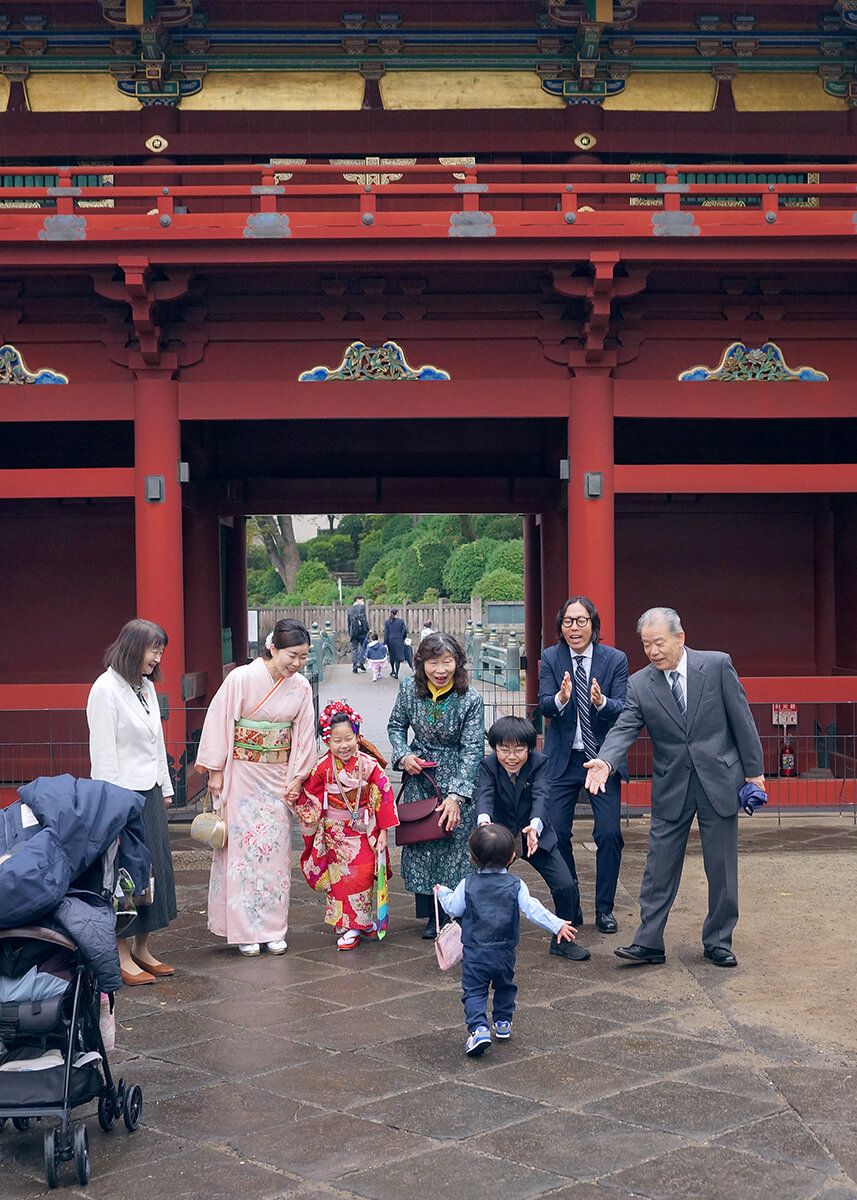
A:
[(491, 913)]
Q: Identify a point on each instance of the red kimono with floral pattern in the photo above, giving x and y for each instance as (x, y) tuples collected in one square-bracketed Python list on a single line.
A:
[(342, 810)]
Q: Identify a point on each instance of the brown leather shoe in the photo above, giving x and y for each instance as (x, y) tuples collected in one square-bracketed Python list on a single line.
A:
[(159, 970), (135, 980)]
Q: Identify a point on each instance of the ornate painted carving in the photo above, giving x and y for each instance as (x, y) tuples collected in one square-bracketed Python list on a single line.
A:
[(14, 370), (362, 362), (741, 364), (375, 178)]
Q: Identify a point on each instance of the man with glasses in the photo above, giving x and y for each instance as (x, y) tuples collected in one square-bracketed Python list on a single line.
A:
[(582, 685), (705, 747)]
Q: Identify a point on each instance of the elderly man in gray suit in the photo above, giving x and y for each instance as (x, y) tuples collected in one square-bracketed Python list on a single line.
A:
[(706, 746)]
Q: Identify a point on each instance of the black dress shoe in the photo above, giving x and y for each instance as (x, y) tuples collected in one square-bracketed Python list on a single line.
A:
[(720, 956), (569, 950), (640, 954), (606, 922)]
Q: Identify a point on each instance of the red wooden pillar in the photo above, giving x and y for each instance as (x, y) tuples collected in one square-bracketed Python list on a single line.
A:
[(236, 585), (554, 556), (824, 580), (591, 517), (158, 527), (532, 607)]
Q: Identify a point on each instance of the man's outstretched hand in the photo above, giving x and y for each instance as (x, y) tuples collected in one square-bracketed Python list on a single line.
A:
[(597, 774)]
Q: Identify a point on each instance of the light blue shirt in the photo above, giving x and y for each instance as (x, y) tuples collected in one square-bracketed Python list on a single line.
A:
[(452, 903)]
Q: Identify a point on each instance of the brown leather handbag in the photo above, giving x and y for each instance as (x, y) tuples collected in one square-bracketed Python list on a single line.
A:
[(418, 820)]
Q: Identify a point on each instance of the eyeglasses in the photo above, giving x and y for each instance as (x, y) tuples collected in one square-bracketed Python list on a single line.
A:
[(567, 622)]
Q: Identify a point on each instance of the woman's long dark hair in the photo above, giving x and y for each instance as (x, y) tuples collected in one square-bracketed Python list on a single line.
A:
[(433, 646), (125, 655)]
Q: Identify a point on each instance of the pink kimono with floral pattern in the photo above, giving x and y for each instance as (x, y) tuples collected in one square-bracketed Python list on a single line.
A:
[(248, 895)]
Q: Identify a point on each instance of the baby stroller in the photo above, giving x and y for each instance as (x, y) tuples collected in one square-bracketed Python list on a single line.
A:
[(53, 1058), (58, 955)]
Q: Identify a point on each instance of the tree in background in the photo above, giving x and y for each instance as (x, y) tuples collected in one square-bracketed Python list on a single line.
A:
[(500, 585), (277, 535)]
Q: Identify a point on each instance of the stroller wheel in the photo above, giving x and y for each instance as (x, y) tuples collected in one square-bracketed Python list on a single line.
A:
[(3, 1123), (21, 1123), (133, 1107), (52, 1158), (107, 1111), (81, 1154)]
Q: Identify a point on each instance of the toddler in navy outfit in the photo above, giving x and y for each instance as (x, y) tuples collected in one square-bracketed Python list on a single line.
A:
[(490, 903)]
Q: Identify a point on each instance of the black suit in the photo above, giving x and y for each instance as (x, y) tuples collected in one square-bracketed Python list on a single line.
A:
[(515, 805)]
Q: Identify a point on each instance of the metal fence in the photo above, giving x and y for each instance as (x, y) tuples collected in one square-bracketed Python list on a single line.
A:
[(55, 742)]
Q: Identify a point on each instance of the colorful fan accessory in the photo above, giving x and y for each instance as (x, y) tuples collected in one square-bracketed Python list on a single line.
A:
[(334, 709), (381, 886)]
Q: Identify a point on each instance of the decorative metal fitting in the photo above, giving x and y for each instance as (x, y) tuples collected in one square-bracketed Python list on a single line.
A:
[(368, 218), (165, 220), (570, 218)]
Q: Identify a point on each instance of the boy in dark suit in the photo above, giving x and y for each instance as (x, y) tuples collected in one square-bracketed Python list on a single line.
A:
[(512, 789)]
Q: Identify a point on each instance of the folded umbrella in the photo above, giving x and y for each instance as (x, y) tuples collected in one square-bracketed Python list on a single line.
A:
[(751, 797)]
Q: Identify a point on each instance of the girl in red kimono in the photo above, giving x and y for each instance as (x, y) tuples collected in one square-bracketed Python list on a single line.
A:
[(345, 810)]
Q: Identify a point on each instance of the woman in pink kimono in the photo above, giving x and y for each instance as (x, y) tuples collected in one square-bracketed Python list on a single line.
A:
[(258, 746)]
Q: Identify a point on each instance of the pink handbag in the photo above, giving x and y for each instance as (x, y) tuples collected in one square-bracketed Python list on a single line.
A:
[(447, 944)]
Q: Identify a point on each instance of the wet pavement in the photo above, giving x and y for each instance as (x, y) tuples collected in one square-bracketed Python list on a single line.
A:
[(325, 1075)]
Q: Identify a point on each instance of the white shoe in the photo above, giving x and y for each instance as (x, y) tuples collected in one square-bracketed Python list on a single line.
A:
[(278, 947), (250, 950)]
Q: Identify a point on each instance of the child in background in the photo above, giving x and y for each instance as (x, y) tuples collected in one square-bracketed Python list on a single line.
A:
[(345, 810), (376, 656), (490, 903)]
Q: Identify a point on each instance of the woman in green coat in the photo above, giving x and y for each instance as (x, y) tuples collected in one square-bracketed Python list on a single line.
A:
[(446, 717)]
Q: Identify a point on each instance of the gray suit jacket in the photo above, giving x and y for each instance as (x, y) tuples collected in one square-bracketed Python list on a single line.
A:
[(718, 739)]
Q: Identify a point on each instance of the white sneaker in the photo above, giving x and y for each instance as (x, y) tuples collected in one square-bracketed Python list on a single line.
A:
[(250, 950), (278, 947)]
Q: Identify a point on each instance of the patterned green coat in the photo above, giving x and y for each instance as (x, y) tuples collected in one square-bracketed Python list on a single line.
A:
[(450, 732)]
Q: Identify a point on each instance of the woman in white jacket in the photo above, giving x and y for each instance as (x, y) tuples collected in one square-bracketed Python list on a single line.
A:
[(126, 747)]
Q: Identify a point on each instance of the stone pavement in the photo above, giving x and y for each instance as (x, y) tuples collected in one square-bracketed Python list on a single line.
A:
[(324, 1075)]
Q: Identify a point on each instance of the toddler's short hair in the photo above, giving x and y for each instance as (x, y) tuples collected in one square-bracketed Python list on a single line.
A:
[(491, 847), (516, 731)]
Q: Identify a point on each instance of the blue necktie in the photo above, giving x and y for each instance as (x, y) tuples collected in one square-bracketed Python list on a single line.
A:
[(581, 692), (675, 685)]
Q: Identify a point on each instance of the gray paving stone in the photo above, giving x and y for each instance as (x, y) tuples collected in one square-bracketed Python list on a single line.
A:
[(560, 1079), (558, 1029), (268, 970), (781, 1138), (354, 990), (160, 1079), (17, 1186), (682, 1108), (732, 1074), (712, 1173), (841, 1140), (622, 1007), (219, 1112), (579, 1146), (274, 1008), (818, 1094), (199, 1174), (335, 1144), (188, 988), (164, 1029), (453, 1171), (425, 1010), (348, 1028), (342, 1081), (449, 1111), (248, 1054), (117, 1151), (645, 1050)]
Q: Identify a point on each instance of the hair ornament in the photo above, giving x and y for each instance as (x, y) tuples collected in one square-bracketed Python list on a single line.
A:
[(269, 641), (333, 710)]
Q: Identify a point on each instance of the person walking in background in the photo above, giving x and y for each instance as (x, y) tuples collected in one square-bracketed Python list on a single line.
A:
[(258, 746), (395, 632), (426, 630), (706, 746), (376, 656), (126, 747), (582, 686), (512, 790), (345, 810), (447, 718), (490, 903), (358, 633)]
